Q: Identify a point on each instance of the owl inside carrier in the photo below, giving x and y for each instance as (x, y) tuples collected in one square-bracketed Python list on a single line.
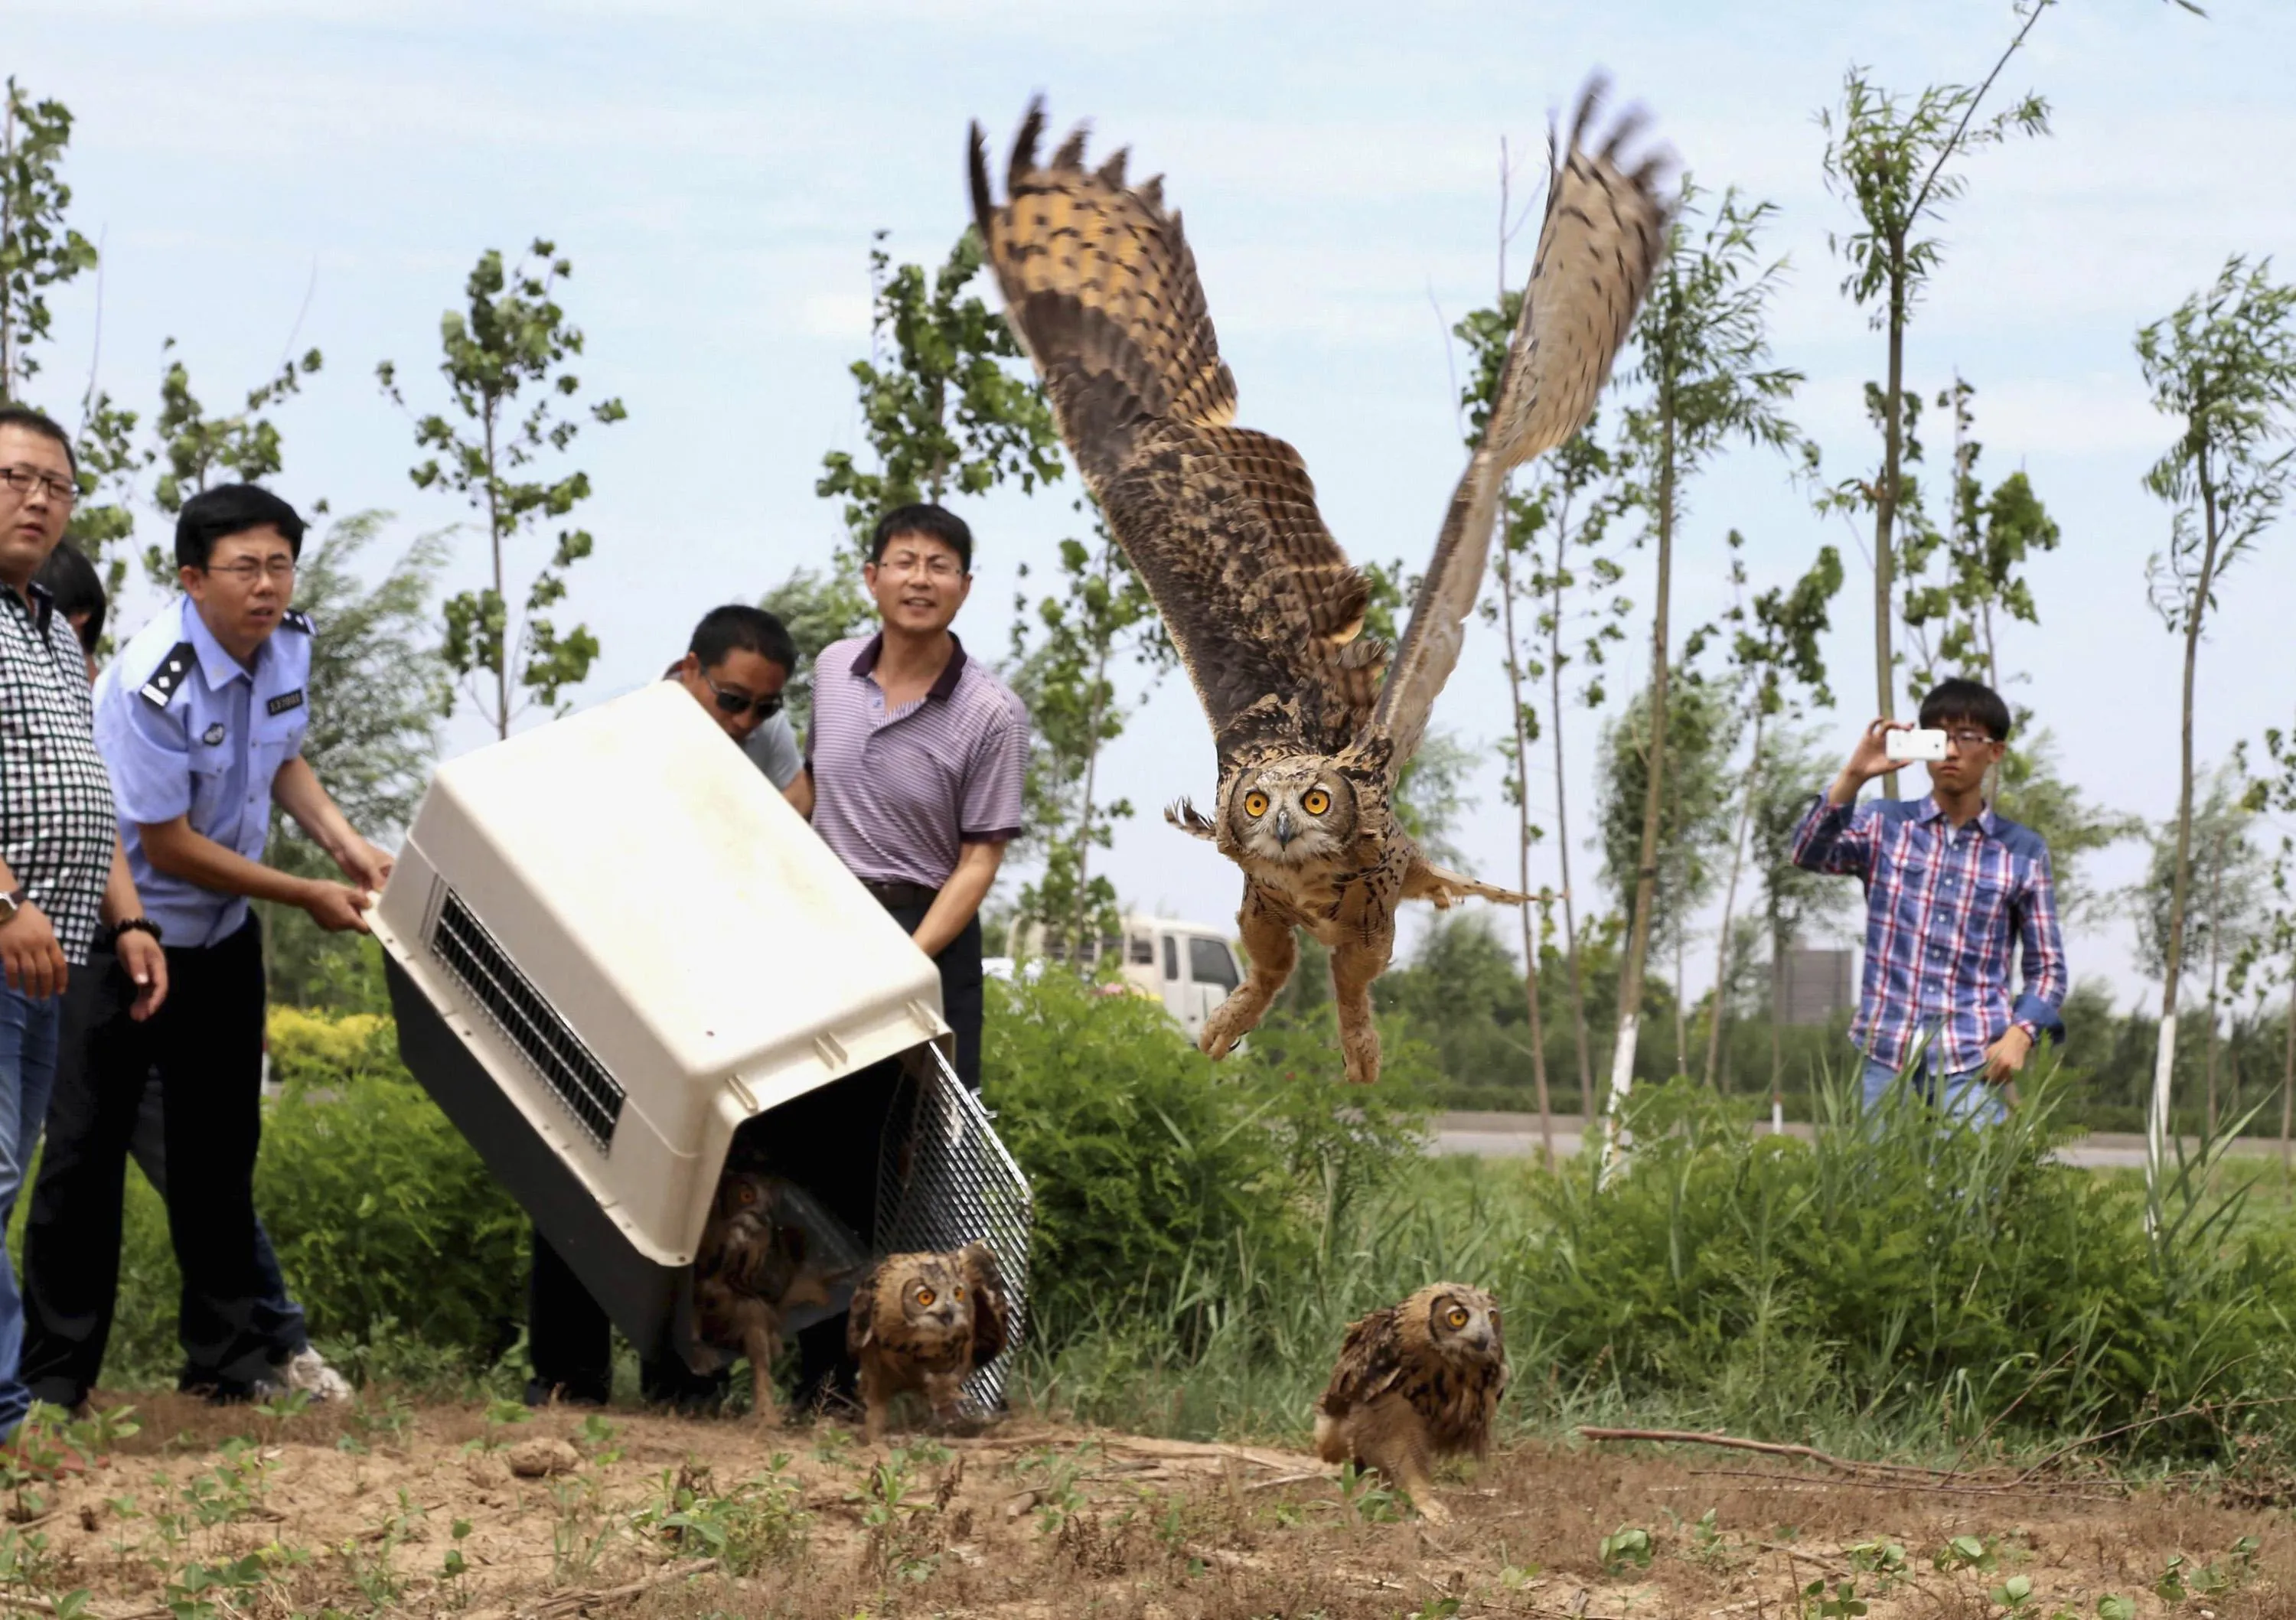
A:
[(623, 966)]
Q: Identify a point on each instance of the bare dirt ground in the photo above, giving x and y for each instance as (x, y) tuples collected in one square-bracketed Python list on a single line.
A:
[(214, 1514)]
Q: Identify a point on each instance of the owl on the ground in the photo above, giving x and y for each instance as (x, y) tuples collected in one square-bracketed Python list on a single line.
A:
[(749, 1270), (1312, 723), (1415, 1382), (924, 1322)]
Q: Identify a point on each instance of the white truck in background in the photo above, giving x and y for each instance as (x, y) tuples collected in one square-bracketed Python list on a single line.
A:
[(1189, 967)]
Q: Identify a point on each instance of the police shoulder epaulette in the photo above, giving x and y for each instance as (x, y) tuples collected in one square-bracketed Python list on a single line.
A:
[(295, 618), (160, 690)]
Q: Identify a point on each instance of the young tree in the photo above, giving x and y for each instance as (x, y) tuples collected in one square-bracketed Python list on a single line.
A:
[(2224, 917), (1774, 655), (941, 406), (1702, 732), (2032, 790), (2269, 956), (1953, 620), (193, 446), (1793, 900), (513, 346), (1889, 159), (1702, 353), (2223, 368), (378, 688), (1064, 673), (38, 251), (817, 609)]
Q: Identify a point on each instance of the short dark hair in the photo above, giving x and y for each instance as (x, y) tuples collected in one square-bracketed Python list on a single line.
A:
[(1972, 700), (923, 517), (228, 510), (739, 627), (43, 424), (71, 579)]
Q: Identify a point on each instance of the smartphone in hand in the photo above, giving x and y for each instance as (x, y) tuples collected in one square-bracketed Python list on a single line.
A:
[(1906, 746)]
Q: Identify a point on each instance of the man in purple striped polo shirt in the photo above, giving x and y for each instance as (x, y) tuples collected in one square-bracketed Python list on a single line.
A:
[(914, 761)]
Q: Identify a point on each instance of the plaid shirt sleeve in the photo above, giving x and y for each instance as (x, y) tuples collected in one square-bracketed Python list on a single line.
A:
[(1836, 839), (2044, 948)]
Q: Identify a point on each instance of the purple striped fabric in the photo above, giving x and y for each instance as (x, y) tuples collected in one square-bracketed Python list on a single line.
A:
[(896, 793)]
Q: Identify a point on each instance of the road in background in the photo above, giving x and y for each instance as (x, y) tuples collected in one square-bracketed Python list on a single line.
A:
[(1516, 1137)]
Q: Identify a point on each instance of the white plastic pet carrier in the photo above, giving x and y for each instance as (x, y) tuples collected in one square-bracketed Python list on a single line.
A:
[(611, 946)]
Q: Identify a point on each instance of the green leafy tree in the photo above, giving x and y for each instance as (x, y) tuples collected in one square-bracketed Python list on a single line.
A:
[(38, 251), (378, 688), (817, 609), (943, 406), (2269, 956), (1953, 617), (193, 448), (1793, 900), (1774, 661), (1889, 157), (507, 360), (2223, 367), (2224, 919), (1703, 355), (1065, 655), (2031, 789)]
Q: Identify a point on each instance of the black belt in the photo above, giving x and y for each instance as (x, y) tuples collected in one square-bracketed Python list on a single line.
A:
[(900, 897)]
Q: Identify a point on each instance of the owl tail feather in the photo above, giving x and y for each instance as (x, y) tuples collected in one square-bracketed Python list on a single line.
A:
[(1428, 881)]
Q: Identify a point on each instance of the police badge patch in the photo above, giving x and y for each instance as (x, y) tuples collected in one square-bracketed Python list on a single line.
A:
[(213, 734)]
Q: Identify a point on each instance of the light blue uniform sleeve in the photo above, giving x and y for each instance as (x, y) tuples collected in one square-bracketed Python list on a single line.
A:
[(773, 749), (147, 752)]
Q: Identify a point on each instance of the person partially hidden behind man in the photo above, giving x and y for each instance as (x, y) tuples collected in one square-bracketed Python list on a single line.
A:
[(200, 720), (80, 597), (1952, 888), (735, 666)]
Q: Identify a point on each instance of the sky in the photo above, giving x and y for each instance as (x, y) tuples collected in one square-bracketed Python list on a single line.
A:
[(264, 177)]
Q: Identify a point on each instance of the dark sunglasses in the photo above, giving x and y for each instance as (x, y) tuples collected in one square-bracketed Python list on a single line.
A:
[(735, 703)]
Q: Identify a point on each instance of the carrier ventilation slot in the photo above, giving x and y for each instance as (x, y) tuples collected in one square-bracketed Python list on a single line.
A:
[(592, 1095)]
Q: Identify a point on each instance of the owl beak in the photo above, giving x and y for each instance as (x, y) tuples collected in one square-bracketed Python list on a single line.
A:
[(1283, 827)]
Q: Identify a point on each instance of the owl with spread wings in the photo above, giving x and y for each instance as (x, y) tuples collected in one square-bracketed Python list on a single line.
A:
[(1313, 721)]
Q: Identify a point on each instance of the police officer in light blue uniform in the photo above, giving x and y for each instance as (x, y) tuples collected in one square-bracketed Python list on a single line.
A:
[(200, 721)]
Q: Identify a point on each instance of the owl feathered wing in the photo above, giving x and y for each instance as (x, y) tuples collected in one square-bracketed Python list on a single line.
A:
[(992, 1307), (1219, 522), (1370, 1364), (1601, 241)]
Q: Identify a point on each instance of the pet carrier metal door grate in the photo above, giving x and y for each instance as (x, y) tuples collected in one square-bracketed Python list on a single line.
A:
[(516, 1008), (944, 1179)]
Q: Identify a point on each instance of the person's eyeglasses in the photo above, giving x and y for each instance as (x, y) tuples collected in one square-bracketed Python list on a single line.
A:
[(1971, 740), (741, 702), (247, 571), (939, 565), (23, 480)]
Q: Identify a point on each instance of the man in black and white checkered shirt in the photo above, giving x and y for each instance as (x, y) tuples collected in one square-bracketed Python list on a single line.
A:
[(62, 872)]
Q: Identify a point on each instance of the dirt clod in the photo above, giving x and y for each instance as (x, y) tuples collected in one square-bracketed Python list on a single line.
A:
[(542, 1457)]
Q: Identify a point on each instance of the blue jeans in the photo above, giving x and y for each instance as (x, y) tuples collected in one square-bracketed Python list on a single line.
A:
[(1966, 1098), (28, 1073)]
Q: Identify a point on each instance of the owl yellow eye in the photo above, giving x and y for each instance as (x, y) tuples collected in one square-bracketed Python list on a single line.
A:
[(959, 1295), (1255, 803), (924, 1296), (1458, 1317), (1316, 802)]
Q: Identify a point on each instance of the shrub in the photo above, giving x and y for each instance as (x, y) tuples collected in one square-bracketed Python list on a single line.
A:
[(1156, 1170), (1895, 1268), (379, 1209)]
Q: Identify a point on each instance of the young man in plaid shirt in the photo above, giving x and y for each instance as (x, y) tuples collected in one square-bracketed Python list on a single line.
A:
[(1951, 889)]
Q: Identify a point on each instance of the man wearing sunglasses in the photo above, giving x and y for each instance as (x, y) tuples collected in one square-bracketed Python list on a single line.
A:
[(200, 721), (736, 664), (1952, 890)]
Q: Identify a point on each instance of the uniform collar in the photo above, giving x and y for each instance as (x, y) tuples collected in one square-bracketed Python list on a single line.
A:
[(220, 668), (1985, 821), (944, 686)]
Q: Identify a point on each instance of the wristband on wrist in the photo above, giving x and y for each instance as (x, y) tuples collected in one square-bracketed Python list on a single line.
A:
[(136, 924)]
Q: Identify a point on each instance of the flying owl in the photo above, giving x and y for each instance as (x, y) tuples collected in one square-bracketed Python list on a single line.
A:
[(1415, 1382), (1312, 722), (925, 1321), (749, 1269)]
